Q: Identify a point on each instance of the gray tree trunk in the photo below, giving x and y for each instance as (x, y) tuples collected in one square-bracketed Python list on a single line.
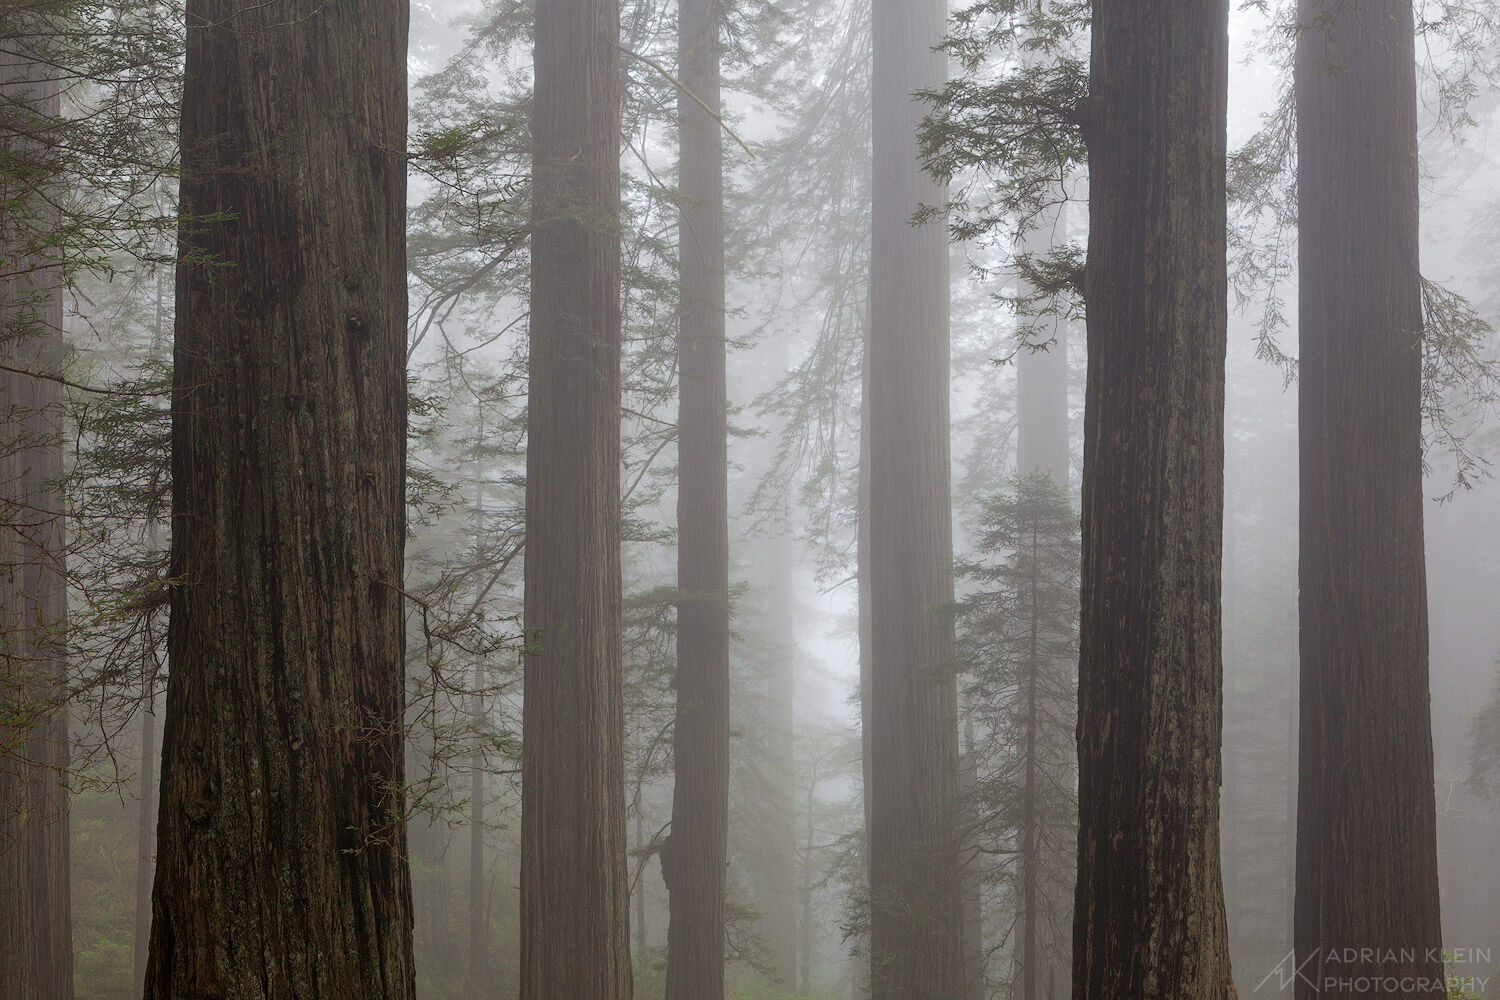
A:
[(695, 857), (281, 862), (1366, 827), (916, 871), (575, 898), (1149, 912), (36, 951), (784, 890)]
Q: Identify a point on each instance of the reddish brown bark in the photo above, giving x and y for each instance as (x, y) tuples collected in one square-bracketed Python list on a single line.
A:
[(36, 952), (281, 862), (916, 877), (1149, 913), (1367, 875), (575, 925)]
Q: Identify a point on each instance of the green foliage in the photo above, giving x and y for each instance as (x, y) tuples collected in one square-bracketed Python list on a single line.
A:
[(1009, 129), (1018, 640), (103, 860), (1484, 745)]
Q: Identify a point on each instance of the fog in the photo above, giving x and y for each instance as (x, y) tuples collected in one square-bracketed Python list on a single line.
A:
[(902, 497)]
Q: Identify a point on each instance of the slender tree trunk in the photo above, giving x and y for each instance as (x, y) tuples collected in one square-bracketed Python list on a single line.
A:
[(478, 894), (36, 952), (145, 834), (281, 863), (783, 892), (1030, 813), (1366, 826), (1042, 446), (695, 857), (1042, 375), (575, 897), (1149, 913), (916, 870), (805, 926), (968, 779)]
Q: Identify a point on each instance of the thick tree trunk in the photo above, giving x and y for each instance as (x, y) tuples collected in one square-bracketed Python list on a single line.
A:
[(36, 951), (916, 871), (695, 857), (1149, 913), (1366, 828), (575, 920), (281, 862)]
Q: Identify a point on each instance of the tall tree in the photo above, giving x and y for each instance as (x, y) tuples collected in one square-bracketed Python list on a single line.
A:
[(783, 894), (1149, 912), (916, 879), (1019, 635), (36, 952), (1366, 829), (1042, 448), (695, 858), (281, 862), (575, 922)]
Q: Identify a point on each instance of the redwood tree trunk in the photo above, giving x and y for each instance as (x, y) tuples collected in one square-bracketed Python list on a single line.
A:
[(1149, 914), (1366, 828), (281, 861), (916, 872), (36, 951), (575, 920), (696, 855)]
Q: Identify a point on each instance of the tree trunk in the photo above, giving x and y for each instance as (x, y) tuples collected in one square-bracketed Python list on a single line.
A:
[(575, 920), (1366, 825), (974, 862), (1042, 446), (783, 893), (145, 833), (36, 951), (478, 893), (281, 863), (696, 855), (1042, 375), (1149, 913), (916, 871)]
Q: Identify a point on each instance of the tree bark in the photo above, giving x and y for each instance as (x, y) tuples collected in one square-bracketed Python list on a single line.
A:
[(1042, 446), (478, 892), (281, 863), (1366, 826), (575, 921), (36, 951), (916, 871), (1149, 913), (696, 856), (145, 832), (783, 883), (1042, 375)]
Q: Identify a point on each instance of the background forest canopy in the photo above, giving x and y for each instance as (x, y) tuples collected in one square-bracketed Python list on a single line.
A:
[(759, 398)]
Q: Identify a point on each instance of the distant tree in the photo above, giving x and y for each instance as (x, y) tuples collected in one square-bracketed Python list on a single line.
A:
[(36, 952), (916, 883), (695, 856), (1018, 633), (1484, 745), (282, 821), (575, 939), (1149, 911), (1366, 825)]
